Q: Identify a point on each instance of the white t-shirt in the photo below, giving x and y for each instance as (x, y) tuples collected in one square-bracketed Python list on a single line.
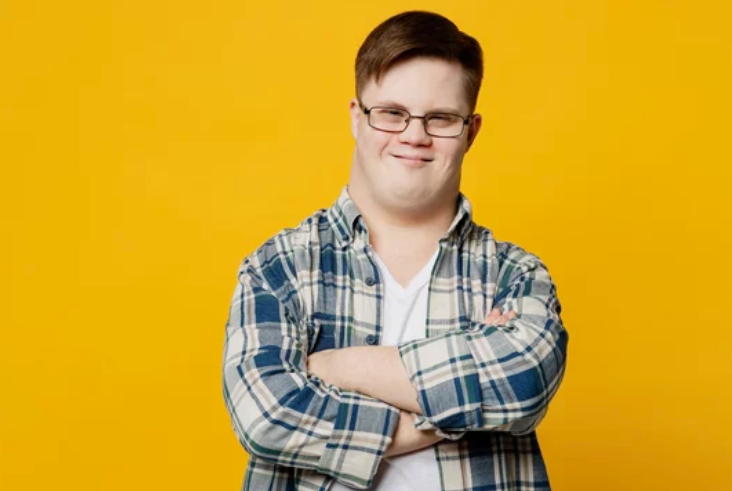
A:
[(405, 312)]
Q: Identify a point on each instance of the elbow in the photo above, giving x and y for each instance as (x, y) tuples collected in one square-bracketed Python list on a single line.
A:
[(529, 424), (533, 395), (264, 428), (255, 433), (257, 441), (535, 387), (539, 367), (247, 421), (548, 371), (251, 442), (540, 393)]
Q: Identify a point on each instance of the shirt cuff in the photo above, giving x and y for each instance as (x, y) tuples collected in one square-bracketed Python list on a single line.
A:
[(422, 423), (443, 371), (362, 431)]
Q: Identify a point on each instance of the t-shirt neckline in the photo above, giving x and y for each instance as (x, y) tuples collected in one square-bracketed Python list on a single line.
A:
[(417, 282)]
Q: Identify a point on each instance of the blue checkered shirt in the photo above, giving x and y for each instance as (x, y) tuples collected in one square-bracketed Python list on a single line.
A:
[(481, 386)]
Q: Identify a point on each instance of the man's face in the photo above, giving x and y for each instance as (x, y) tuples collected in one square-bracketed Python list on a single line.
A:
[(381, 166)]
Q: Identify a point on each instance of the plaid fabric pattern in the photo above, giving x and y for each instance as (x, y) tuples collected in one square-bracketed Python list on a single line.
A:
[(485, 388)]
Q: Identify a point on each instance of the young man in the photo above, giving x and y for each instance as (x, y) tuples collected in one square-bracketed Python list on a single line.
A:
[(389, 342)]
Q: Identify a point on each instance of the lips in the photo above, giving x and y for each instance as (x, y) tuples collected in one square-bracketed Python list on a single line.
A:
[(412, 157)]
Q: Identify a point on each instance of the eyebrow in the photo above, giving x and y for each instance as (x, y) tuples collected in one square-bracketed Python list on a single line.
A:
[(390, 103)]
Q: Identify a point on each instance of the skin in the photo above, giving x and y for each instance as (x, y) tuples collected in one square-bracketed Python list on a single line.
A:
[(408, 209), (377, 371), (402, 202)]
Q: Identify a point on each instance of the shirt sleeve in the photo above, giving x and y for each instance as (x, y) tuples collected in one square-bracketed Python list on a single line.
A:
[(282, 414), (490, 377)]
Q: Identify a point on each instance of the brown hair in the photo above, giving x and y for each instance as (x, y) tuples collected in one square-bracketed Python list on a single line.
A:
[(419, 33)]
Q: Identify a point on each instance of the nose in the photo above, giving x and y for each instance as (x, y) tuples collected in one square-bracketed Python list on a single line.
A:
[(415, 133)]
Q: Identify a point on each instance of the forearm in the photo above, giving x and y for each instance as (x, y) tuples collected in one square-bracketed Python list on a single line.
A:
[(409, 439), (492, 377), (375, 371), (279, 413)]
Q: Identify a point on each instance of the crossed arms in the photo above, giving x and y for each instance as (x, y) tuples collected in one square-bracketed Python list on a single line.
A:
[(325, 413), (378, 371)]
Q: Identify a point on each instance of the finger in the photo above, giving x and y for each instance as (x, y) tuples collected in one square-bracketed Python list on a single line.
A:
[(493, 315), (506, 317)]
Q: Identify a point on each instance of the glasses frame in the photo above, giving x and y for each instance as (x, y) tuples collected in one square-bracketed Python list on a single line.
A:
[(410, 117)]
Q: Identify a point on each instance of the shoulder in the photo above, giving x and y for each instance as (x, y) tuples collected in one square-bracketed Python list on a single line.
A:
[(287, 255), (508, 255)]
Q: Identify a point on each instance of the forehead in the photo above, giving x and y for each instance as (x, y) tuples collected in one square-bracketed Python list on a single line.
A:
[(420, 85)]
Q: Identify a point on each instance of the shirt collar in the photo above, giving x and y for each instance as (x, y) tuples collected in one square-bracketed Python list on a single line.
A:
[(343, 217)]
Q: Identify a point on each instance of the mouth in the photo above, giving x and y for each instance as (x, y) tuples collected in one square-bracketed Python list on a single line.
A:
[(412, 158)]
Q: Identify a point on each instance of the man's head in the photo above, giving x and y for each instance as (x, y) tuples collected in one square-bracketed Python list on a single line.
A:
[(422, 63)]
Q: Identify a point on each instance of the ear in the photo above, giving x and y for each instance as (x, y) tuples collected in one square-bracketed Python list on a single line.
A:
[(356, 114), (473, 128)]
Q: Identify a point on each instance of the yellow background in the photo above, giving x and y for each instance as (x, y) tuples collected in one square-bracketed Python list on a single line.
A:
[(147, 147)]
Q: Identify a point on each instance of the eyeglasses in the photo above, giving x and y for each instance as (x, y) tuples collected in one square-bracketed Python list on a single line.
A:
[(395, 120)]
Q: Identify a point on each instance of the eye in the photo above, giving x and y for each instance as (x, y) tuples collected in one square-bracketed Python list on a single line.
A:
[(443, 117)]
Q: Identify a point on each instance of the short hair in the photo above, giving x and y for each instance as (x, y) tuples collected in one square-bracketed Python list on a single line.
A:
[(419, 33)]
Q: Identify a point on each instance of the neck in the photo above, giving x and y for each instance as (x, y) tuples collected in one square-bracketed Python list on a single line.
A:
[(392, 229)]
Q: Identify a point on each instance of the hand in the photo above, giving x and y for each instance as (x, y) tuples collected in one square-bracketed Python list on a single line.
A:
[(495, 317)]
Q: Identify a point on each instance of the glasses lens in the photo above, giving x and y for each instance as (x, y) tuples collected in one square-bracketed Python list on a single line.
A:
[(388, 119), (444, 125)]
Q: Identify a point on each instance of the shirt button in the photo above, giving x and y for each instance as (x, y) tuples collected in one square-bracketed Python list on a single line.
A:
[(370, 281), (371, 339)]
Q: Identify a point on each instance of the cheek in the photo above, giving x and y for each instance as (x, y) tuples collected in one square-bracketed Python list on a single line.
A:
[(453, 150), (376, 142)]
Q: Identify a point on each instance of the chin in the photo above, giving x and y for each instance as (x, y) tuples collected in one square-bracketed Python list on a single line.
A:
[(405, 193)]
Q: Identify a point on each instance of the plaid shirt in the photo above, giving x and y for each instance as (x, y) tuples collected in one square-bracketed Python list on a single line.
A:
[(484, 387)]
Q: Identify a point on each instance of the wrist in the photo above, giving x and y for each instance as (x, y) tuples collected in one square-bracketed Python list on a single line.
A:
[(407, 438)]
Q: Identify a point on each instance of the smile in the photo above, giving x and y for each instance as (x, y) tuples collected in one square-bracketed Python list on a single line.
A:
[(412, 160)]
